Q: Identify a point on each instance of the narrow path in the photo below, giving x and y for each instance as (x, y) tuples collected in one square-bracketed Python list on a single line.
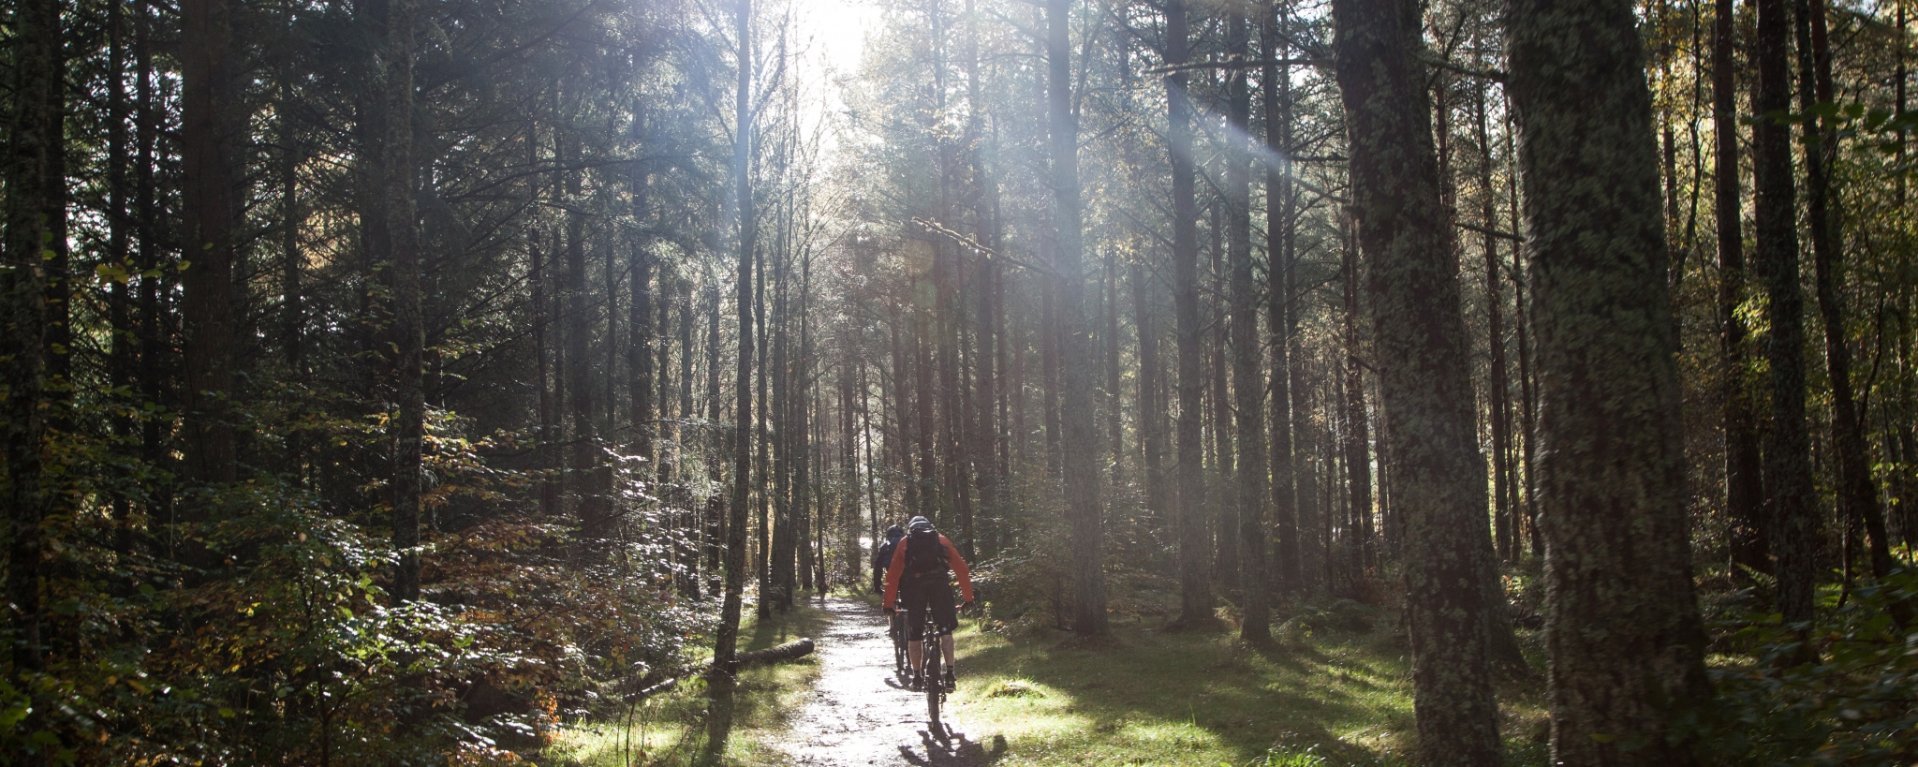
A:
[(860, 713)]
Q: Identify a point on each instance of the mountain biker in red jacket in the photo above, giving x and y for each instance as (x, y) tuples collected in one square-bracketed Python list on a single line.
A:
[(922, 563)]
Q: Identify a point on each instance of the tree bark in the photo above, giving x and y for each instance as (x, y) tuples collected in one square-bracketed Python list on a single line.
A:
[(724, 677), (1787, 447), (1081, 469), (1195, 593), (1248, 386), (1358, 460), (1406, 233), (1744, 491), (1857, 491), (393, 250), (1151, 398), (1623, 628), (1503, 494), (1281, 226), (212, 155), (35, 211)]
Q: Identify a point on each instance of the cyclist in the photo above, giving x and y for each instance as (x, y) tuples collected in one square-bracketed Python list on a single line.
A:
[(919, 573), (896, 623), (884, 557)]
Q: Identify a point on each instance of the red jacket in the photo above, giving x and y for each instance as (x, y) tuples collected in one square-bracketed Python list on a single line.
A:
[(898, 568)]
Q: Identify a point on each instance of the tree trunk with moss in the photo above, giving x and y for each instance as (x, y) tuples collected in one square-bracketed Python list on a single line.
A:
[(1627, 646), (1423, 352)]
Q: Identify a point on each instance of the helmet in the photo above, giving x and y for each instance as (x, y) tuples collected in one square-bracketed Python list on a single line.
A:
[(895, 533), (920, 524)]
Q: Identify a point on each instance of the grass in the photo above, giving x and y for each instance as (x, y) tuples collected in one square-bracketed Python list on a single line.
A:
[(1149, 696), (669, 729), (1334, 690)]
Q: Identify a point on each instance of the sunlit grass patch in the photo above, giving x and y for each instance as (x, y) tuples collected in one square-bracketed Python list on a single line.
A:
[(669, 729), (1335, 695)]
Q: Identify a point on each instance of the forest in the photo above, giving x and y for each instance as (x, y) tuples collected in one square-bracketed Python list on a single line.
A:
[(1308, 382)]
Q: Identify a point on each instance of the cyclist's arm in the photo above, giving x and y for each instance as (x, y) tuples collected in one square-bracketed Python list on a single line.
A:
[(893, 571), (958, 565)]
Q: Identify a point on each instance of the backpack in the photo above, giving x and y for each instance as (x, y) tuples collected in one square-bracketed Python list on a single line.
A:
[(925, 555)]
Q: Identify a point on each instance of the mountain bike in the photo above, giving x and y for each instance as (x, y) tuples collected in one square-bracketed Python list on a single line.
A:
[(936, 688), (896, 628)]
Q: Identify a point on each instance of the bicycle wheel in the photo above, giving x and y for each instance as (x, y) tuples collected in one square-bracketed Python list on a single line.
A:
[(898, 632), (935, 690)]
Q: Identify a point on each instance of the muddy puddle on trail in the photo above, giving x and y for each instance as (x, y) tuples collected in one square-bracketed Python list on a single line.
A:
[(860, 713)]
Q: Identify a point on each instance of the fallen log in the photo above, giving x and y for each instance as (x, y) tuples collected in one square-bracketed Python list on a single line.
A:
[(798, 648), (794, 650)]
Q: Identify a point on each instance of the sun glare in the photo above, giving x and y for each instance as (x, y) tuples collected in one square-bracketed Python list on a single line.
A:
[(832, 40)]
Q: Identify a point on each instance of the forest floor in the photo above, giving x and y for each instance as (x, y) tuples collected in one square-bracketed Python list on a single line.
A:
[(1332, 690)]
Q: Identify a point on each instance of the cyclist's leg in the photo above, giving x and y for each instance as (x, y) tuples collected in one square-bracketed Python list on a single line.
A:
[(915, 599), (945, 615)]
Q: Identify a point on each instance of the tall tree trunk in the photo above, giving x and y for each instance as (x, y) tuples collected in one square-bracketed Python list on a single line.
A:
[(152, 348), (781, 409), (762, 437), (1744, 491), (1406, 233), (118, 257), (1049, 368), (1358, 460), (640, 332), (718, 522), (1281, 226), (585, 465), (1248, 386), (803, 409), (393, 250), (1195, 593), (694, 532), (1612, 474), (1115, 429), (1082, 473), (1857, 491), (1794, 518), (35, 209), (212, 155), (724, 677), (1504, 497), (1225, 539), (1151, 398), (1521, 322), (292, 290)]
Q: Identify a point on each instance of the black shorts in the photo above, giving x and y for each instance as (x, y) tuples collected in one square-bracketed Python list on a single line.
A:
[(918, 595)]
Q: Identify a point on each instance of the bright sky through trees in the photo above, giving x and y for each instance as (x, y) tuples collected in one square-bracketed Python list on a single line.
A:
[(832, 36)]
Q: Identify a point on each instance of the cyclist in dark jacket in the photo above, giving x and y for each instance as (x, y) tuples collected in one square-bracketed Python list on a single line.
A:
[(921, 569), (884, 557), (895, 623)]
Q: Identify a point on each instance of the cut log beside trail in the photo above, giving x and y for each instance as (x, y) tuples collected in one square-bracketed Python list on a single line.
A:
[(794, 650)]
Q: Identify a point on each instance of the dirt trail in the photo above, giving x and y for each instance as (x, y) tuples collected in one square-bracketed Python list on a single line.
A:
[(860, 713)]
